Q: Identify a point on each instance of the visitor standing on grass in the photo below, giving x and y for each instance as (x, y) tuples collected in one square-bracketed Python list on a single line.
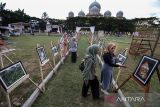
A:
[(65, 43), (73, 50), (89, 75), (107, 69)]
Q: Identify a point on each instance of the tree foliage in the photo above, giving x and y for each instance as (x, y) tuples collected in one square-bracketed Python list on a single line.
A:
[(101, 23)]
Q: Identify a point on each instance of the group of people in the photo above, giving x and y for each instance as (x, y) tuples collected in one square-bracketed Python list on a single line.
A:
[(90, 79)]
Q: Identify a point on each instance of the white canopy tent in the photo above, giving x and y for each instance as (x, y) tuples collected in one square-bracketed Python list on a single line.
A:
[(92, 28)]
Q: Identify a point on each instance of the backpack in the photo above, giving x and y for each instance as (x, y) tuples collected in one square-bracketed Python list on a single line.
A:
[(82, 65)]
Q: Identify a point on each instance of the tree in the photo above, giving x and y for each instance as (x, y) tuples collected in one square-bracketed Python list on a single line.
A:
[(2, 6), (45, 16)]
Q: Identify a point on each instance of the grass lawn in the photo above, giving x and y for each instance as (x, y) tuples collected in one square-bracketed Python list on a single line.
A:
[(64, 89)]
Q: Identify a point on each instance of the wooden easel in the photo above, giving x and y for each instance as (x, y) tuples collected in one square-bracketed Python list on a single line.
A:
[(158, 73), (8, 91), (125, 52), (55, 54), (101, 43), (3, 54), (41, 67), (145, 87), (119, 72)]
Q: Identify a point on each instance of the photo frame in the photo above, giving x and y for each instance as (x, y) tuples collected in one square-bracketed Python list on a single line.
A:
[(58, 46), (54, 50), (145, 69), (121, 59), (42, 54), (11, 74)]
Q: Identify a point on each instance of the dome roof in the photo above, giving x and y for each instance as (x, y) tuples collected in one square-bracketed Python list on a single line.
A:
[(94, 11), (107, 14), (81, 14), (70, 14), (119, 14), (95, 4)]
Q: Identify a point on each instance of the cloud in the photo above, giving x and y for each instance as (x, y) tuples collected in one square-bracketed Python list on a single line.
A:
[(156, 3), (155, 14)]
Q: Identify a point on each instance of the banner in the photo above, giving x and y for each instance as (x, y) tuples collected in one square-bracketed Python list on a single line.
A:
[(58, 30), (92, 29), (78, 29)]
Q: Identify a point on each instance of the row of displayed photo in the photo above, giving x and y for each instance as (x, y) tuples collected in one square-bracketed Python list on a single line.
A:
[(10, 75)]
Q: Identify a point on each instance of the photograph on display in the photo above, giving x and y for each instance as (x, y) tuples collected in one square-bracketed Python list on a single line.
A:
[(58, 46), (121, 59), (42, 54), (54, 50), (12, 74), (145, 69)]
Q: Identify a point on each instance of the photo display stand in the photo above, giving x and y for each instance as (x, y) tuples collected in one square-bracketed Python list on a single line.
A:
[(63, 45), (90, 39), (55, 52), (158, 73), (101, 44), (143, 73), (61, 48), (3, 54), (43, 60), (11, 77), (121, 60)]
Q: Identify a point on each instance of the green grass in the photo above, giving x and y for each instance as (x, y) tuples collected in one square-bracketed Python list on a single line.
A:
[(26, 52), (64, 89)]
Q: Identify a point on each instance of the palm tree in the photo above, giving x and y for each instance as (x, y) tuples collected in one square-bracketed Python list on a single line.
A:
[(45, 16), (2, 6)]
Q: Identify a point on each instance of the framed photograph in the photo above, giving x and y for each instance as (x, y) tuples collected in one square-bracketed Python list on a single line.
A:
[(54, 50), (42, 54), (121, 59), (145, 69), (10, 75), (58, 46)]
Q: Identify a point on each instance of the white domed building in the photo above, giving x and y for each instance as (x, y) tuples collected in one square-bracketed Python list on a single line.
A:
[(95, 3), (94, 11), (119, 14), (81, 14), (107, 14), (70, 14)]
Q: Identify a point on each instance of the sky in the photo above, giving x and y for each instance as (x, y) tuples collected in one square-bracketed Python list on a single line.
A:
[(59, 9)]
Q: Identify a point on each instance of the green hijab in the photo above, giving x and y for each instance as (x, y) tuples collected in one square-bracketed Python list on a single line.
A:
[(92, 51)]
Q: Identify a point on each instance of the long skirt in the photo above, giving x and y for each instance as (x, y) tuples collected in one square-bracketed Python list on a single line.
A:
[(73, 57), (94, 84), (106, 76)]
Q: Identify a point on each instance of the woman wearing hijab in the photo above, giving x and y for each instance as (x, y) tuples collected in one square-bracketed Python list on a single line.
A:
[(107, 69), (73, 50), (89, 76)]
